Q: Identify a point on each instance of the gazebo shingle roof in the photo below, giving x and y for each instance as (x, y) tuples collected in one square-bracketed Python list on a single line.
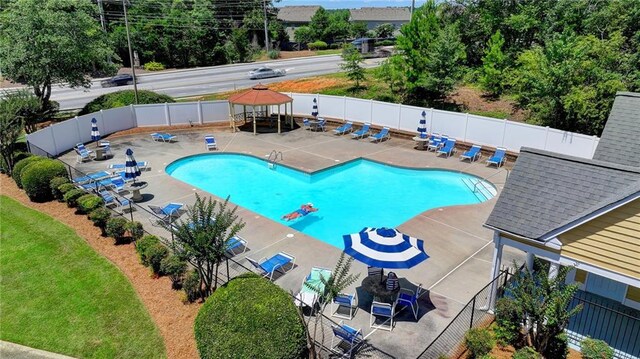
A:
[(259, 95)]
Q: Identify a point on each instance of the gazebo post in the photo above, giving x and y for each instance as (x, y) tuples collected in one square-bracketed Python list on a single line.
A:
[(278, 118), (232, 114), (254, 120), (244, 110)]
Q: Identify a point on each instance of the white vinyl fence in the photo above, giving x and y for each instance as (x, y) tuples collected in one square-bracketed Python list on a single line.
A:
[(486, 131)]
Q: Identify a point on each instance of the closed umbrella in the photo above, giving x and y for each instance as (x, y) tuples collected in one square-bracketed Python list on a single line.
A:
[(131, 169), (95, 134), (385, 248), (422, 126), (314, 112)]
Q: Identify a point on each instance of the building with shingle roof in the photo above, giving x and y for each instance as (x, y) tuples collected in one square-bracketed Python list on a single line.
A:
[(580, 212), (293, 17), (374, 16)]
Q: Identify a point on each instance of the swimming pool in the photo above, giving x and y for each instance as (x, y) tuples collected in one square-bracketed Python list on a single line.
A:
[(349, 196)]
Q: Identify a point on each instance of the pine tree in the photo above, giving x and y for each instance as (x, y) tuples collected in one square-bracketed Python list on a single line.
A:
[(493, 66)]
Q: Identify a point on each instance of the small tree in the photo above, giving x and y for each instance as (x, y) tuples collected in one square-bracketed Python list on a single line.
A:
[(202, 239), (385, 30), (352, 64), (10, 130), (304, 35), (493, 66)]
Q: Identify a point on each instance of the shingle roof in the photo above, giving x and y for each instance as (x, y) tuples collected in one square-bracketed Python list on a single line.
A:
[(381, 14), (297, 13), (259, 95), (546, 191), (620, 141)]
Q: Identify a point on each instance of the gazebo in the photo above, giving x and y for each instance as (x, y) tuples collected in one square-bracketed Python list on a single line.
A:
[(260, 96)]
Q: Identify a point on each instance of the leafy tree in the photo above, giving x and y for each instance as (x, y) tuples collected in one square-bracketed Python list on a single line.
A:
[(237, 48), (385, 30), (48, 42), (11, 126), (338, 27), (304, 35), (319, 23), (444, 64), (202, 239), (544, 303), (358, 29), (493, 66), (353, 64)]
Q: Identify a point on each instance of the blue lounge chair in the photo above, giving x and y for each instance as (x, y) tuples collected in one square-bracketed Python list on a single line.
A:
[(165, 215), (448, 149), (409, 298), (361, 132), (343, 300), (472, 155), (498, 158), (164, 137), (234, 243), (95, 185), (82, 153), (383, 134), (142, 166), (268, 267), (346, 128), (95, 176), (109, 200), (349, 338), (210, 142), (118, 183), (436, 142), (385, 311)]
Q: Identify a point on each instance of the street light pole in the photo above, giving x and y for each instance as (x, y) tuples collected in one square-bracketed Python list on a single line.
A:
[(133, 68), (266, 34)]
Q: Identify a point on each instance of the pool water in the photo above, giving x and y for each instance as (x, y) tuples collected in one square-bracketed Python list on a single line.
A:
[(348, 197)]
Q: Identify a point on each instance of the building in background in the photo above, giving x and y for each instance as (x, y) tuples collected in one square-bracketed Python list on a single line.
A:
[(293, 17)]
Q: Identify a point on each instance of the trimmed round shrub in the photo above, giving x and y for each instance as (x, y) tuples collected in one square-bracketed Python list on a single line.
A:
[(153, 66), (66, 187), (71, 197), (20, 165), (99, 217), (55, 184), (191, 286), (175, 268), (479, 341), (508, 316), (143, 245), (89, 202), (317, 45), (273, 54), (155, 254), (595, 349), (526, 353), (124, 98), (135, 230), (116, 228), (37, 176), (249, 317)]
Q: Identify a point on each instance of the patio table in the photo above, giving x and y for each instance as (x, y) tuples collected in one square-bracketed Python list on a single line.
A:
[(422, 142), (378, 289)]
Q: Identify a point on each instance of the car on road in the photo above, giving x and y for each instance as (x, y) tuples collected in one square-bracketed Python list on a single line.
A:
[(264, 72), (118, 80)]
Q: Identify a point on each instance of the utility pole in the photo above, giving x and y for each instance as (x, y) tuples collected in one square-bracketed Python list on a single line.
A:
[(413, 6), (266, 34), (101, 12), (133, 68)]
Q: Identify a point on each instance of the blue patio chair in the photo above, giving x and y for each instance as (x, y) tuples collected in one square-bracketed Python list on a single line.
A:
[(348, 338), (472, 155), (268, 267), (82, 153), (165, 215), (94, 176), (306, 124), (124, 204), (118, 184), (320, 125), (164, 137), (448, 149), (108, 198), (236, 242), (498, 158), (142, 166), (210, 142), (349, 301), (95, 185), (364, 131), (346, 128), (382, 135), (385, 311), (409, 298)]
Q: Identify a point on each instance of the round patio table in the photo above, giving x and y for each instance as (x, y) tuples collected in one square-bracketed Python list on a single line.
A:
[(421, 142), (378, 288), (135, 188)]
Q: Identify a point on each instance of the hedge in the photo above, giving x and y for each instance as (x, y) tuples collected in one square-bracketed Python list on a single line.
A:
[(99, 217), (143, 245), (317, 45), (89, 202), (36, 177), (595, 349), (123, 98), (72, 196), (20, 165), (116, 228), (249, 317), (55, 184), (64, 188), (479, 341), (153, 66)]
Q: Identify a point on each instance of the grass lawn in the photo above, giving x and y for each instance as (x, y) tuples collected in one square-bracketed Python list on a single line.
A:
[(61, 296)]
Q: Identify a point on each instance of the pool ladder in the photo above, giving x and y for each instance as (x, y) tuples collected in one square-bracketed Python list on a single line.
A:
[(273, 159)]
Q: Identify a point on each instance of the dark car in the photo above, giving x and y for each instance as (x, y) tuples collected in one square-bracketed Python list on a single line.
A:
[(118, 80)]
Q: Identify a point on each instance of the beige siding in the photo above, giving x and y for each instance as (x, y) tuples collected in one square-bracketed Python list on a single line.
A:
[(611, 241), (633, 294)]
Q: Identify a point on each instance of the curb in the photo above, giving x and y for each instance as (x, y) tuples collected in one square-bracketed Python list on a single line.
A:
[(17, 351)]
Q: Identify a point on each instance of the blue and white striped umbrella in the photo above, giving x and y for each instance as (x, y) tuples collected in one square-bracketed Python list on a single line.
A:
[(95, 134), (314, 113), (385, 248), (131, 169), (422, 126)]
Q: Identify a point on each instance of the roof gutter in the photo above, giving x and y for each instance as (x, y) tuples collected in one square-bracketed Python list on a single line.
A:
[(552, 243)]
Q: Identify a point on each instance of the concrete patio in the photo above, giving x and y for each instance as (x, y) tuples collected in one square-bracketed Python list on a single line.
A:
[(460, 249)]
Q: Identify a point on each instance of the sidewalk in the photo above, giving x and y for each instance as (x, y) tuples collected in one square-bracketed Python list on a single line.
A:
[(16, 351)]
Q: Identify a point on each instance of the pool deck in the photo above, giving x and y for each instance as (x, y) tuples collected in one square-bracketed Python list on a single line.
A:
[(460, 249)]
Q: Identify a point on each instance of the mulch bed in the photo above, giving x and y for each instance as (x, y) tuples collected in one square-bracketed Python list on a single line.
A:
[(174, 319)]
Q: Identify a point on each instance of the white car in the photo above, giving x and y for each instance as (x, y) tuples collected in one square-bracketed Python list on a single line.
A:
[(264, 72)]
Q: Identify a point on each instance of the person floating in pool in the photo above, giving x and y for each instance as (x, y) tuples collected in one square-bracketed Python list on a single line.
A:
[(301, 212)]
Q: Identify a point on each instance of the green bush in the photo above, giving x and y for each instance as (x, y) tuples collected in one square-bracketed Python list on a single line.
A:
[(124, 98), (99, 217), (273, 54), (153, 66), (385, 43), (89, 202), (71, 197), (155, 254), (175, 268), (36, 177), (508, 316), (232, 322), (116, 228), (55, 184), (336, 45), (479, 341), (66, 187), (557, 347), (20, 165), (526, 353), (17, 156), (191, 286), (317, 45), (595, 349), (143, 245), (135, 230)]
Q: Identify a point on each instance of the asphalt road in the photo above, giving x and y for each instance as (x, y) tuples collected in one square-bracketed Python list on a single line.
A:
[(200, 81)]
